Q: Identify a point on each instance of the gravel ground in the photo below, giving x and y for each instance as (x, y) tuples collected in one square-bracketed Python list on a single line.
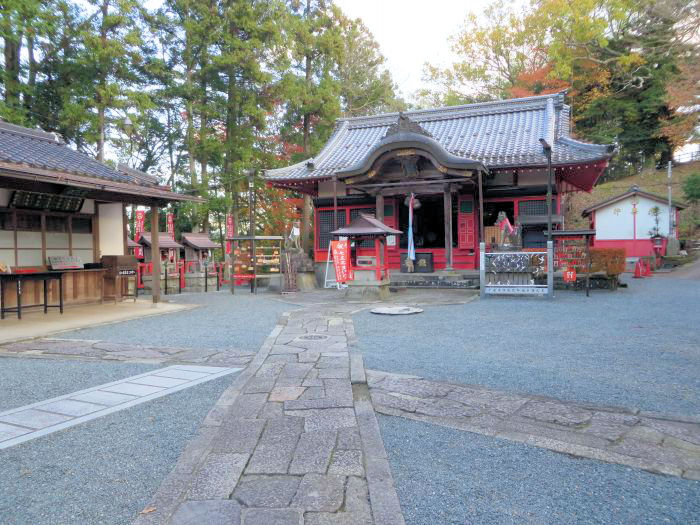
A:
[(637, 347), (447, 476), (27, 381), (106, 470), (242, 321)]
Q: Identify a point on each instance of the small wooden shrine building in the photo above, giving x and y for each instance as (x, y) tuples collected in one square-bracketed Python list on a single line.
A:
[(464, 164), (198, 246), (169, 249)]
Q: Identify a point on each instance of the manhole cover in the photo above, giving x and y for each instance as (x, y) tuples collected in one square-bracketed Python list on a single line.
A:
[(396, 310), (312, 337)]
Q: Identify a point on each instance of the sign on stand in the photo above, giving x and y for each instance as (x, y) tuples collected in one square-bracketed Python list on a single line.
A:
[(570, 275), (341, 261)]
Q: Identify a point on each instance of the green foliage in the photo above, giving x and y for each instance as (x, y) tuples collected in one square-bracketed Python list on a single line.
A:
[(631, 64), (691, 188)]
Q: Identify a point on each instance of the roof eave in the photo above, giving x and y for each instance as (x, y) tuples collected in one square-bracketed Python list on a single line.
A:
[(32, 173)]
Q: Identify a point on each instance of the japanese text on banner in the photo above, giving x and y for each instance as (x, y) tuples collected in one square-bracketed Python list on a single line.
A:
[(341, 261)]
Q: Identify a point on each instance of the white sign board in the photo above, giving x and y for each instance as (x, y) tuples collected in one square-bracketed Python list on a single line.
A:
[(65, 262)]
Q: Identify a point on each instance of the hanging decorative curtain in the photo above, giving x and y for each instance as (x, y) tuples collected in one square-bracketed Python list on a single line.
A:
[(411, 246)]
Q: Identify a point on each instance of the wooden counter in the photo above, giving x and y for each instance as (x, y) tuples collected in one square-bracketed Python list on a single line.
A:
[(79, 287)]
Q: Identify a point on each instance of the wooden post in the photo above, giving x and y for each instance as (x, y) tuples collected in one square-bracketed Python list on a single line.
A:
[(379, 213), (335, 203), (306, 223), (447, 207), (587, 240), (155, 254), (481, 209)]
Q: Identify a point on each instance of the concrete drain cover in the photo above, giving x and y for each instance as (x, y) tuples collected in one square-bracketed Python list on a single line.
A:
[(312, 337), (396, 310)]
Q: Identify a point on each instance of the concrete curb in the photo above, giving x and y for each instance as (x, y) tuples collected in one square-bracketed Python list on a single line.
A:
[(172, 489), (357, 369)]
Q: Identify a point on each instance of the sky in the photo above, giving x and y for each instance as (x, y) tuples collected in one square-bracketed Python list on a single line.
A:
[(412, 32)]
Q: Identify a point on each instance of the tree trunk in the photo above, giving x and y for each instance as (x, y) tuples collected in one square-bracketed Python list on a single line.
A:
[(12, 48), (204, 175), (31, 80), (306, 209), (102, 87)]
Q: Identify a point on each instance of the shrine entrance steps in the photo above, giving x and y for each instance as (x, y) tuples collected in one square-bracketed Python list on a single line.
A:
[(458, 279)]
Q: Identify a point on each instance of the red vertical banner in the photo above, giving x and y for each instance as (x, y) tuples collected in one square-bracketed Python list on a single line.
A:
[(340, 251), (229, 233), (171, 225), (139, 223)]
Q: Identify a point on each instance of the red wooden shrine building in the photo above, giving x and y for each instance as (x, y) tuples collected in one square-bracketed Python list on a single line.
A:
[(460, 162)]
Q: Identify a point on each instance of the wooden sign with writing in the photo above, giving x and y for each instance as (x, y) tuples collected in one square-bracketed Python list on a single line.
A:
[(65, 262)]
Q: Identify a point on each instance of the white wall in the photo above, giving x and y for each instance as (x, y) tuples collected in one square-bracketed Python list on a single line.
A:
[(88, 206), (615, 221), (4, 197), (111, 229)]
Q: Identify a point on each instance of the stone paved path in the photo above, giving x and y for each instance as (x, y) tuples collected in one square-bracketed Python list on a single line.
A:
[(90, 349), (294, 440), (653, 442)]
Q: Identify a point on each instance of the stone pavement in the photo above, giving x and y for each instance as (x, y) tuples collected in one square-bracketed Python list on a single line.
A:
[(24, 423), (294, 440), (655, 442), (89, 349)]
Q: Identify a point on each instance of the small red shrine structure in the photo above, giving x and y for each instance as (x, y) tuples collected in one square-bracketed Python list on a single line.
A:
[(371, 273)]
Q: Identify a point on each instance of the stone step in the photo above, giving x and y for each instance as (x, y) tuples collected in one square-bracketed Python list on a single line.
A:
[(434, 280)]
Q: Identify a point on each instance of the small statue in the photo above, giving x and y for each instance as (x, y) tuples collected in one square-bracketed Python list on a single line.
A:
[(510, 235), (294, 236)]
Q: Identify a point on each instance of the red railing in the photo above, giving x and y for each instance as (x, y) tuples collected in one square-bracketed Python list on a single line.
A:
[(180, 269)]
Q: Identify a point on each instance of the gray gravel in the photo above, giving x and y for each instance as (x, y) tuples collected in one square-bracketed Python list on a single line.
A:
[(637, 347), (106, 470), (26, 381), (445, 476), (241, 321)]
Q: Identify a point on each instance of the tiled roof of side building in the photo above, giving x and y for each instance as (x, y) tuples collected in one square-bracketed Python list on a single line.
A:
[(499, 134), (39, 149)]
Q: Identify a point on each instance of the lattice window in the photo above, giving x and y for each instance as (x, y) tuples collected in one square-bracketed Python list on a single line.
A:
[(325, 226), (354, 213), (533, 207)]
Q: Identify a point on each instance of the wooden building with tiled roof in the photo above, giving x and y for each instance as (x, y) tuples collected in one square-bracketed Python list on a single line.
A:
[(465, 164)]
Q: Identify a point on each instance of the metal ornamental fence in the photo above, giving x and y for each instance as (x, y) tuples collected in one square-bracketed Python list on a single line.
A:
[(516, 272)]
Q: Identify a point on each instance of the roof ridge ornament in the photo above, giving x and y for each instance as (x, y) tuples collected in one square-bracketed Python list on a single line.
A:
[(406, 125)]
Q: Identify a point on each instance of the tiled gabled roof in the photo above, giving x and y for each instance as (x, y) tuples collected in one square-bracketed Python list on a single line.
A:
[(164, 241), (37, 148), (499, 134), (634, 190), (36, 152), (198, 240)]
